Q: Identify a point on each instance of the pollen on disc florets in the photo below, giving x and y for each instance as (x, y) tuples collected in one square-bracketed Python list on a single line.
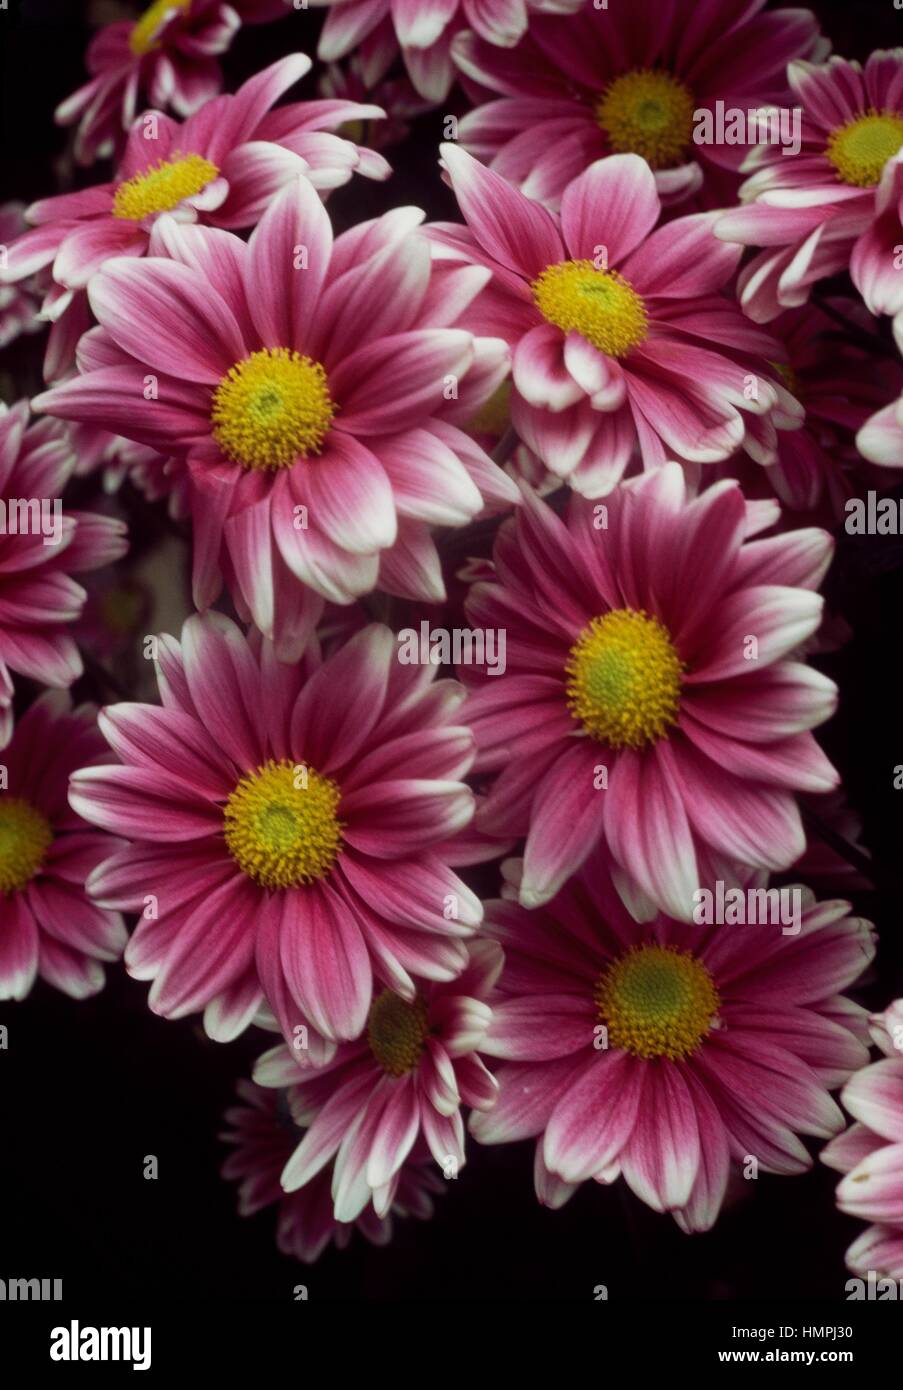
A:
[(25, 838), (624, 678), (143, 38), (650, 113), (271, 409), (860, 149), (162, 186), (657, 1001), (281, 824), (396, 1032), (599, 304)]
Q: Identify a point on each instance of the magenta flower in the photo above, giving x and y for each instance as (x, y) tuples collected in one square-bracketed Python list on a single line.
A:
[(311, 385), (220, 168), (870, 1152), (18, 302), (288, 829), (649, 696), (41, 547), (50, 928), (263, 1135), (423, 30), (630, 79), (663, 1053), (816, 214), (620, 335), (404, 1080), (168, 55)]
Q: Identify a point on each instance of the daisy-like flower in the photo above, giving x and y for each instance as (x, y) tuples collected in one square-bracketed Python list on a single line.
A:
[(311, 385), (649, 702), (50, 927), (404, 1080), (263, 1136), (41, 547), (619, 333), (169, 55), (220, 168), (870, 1152), (839, 385), (288, 829), (424, 29), (663, 1053), (18, 302), (630, 79), (397, 97), (815, 214)]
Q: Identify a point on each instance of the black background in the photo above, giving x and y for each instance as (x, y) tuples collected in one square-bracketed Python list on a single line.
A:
[(88, 1089)]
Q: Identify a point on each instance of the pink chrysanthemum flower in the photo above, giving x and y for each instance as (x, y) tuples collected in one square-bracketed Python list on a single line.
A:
[(404, 1080), (397, 97), (311, 385), (263, 1135), (839, 385), (870, 1152), (663, 1053), (815, 213), (220, 168), (41, 547), (630, 79), (19, 302), (424, 29), (289, 825), (649, 702), (619, 333), (169, 56), (50, 928)]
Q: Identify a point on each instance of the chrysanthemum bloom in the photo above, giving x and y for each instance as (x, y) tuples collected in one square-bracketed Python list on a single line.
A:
[(405, 1079), (264, 1135), (814, 213), (640, 78), (18, 303), (220, 168), (169, 56), (310, 384), (870, 1152), (396, 96), (620, 334), (423, 30), (49, 926), (665, 1052), (839, 385), (41, 547), (288, 829), (648, 702)]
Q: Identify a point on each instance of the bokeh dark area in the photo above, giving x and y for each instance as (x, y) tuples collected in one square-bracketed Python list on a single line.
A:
[(87, 1090)]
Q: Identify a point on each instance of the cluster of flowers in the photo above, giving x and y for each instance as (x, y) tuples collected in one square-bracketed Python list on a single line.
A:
[(658, 443)]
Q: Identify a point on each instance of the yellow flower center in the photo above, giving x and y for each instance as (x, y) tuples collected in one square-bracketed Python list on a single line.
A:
[(271, 409), (494, 415), (162, 186), (656, 1001), (396, 1032), (143, 37), (624, 679), (600, 304), (25, 838), (860, 149), (649, 113), (281, 824)]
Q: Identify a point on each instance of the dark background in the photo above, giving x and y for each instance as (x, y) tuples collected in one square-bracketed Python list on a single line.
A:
[(88, 1089)]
